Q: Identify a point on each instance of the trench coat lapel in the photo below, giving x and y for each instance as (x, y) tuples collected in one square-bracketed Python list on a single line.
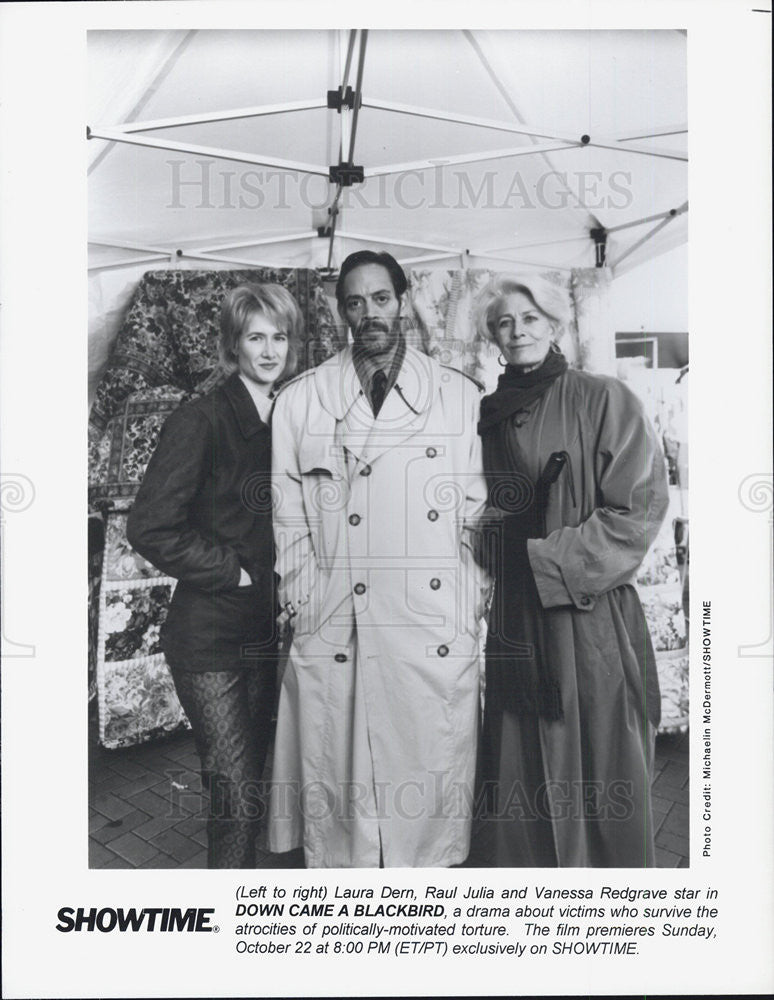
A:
[(404, 411), (406, 407)]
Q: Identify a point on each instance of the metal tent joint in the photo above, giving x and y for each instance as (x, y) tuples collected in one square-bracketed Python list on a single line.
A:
[(344, 97), (599, 235), (346, 174)]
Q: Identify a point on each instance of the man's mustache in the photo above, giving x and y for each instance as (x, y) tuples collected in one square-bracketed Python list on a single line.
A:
[(367, 325)]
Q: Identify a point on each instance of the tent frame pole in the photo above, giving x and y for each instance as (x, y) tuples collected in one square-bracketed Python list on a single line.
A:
[(534, 131), (670, 214), (649, 235), (256, 159), (128, 262), (398, 241), (448, 161), (218, 116)]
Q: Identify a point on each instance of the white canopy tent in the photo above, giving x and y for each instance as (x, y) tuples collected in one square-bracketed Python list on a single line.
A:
[(460, 152), (485, 149)]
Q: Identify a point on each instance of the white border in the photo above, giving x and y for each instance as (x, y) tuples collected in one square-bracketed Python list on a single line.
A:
[(43, 328)]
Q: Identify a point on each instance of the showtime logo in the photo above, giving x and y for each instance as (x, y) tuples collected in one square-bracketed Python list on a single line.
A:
[(107, 919)]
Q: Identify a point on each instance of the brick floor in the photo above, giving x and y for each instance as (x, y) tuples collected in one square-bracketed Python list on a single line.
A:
[(147, 809)]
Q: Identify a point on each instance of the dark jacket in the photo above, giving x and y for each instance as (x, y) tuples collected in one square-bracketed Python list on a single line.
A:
[(203, 512)]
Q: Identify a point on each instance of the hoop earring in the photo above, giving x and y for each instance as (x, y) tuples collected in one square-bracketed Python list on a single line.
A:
[(501, 362)]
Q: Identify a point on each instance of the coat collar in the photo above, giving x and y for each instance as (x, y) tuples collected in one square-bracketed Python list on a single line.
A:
[(338, 385), (243, 406)]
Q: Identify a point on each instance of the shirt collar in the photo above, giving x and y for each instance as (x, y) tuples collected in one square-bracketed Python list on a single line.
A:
[(338, 386), (263, 403), (367, 367)]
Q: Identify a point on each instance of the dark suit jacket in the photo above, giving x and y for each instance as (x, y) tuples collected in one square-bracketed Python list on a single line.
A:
[(202, 513)]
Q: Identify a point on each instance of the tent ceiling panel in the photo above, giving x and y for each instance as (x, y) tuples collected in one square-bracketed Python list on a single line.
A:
[(231, 69), (610, 82), (609, 85)]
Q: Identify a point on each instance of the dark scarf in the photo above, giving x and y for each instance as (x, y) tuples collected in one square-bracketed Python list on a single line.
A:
[(516, 390), (521, 678)]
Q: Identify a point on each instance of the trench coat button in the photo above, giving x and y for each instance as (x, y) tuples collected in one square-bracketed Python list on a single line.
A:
[(340, 657), (435, 583), (366, 470), (443, 650), (431, 452), (585, 600), (354, 519), (432, 515), (360, 588)]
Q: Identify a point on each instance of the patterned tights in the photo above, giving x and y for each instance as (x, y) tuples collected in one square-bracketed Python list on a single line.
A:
[(230, 715)]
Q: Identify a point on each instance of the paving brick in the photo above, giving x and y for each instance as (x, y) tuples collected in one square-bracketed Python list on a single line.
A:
[(192, 826), (660, 804), (673, 842), (181, 848), (673, 774), (161, 860), (118, 863), (111, 806), (99, 856), (658, 821), (155, 826), (183, 749), (678, 820), (125, 766), (200, 836), (131, 786), (191, 762), (96, 821), (117, 827), (161, 777), (666, 859), (187, 801), (133, 849), (105, 781), (671, 792), (289, 859), (197, 861), (155, 804)]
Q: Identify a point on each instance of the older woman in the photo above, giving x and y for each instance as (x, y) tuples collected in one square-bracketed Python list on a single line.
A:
[(577, 491), (203, 515)]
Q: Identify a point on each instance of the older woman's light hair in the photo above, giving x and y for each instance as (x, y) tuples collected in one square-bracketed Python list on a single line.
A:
[(272, 301), (550, 299)]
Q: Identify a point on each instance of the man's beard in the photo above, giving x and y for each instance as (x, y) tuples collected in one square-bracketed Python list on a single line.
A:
[(376, 337)]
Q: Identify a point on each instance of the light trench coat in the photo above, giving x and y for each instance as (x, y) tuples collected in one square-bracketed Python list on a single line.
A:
[(375, 753)]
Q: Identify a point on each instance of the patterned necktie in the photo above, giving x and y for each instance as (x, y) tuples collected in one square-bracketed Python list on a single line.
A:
[(378, 391)]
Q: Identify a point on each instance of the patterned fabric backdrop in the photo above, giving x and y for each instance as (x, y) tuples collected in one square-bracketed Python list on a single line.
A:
[(166, 353)]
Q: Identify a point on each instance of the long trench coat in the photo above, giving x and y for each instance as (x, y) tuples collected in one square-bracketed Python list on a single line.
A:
[(376, 736), (579, 788)]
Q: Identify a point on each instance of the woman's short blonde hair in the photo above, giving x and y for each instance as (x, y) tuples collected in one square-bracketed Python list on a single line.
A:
[(549, 299), (276, 304)]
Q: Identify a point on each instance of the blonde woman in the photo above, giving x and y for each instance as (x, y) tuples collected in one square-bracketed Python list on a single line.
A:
[(577, 491), (203, 515)]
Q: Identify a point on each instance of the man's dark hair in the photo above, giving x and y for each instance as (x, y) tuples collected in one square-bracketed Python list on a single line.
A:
[(361, 257)]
